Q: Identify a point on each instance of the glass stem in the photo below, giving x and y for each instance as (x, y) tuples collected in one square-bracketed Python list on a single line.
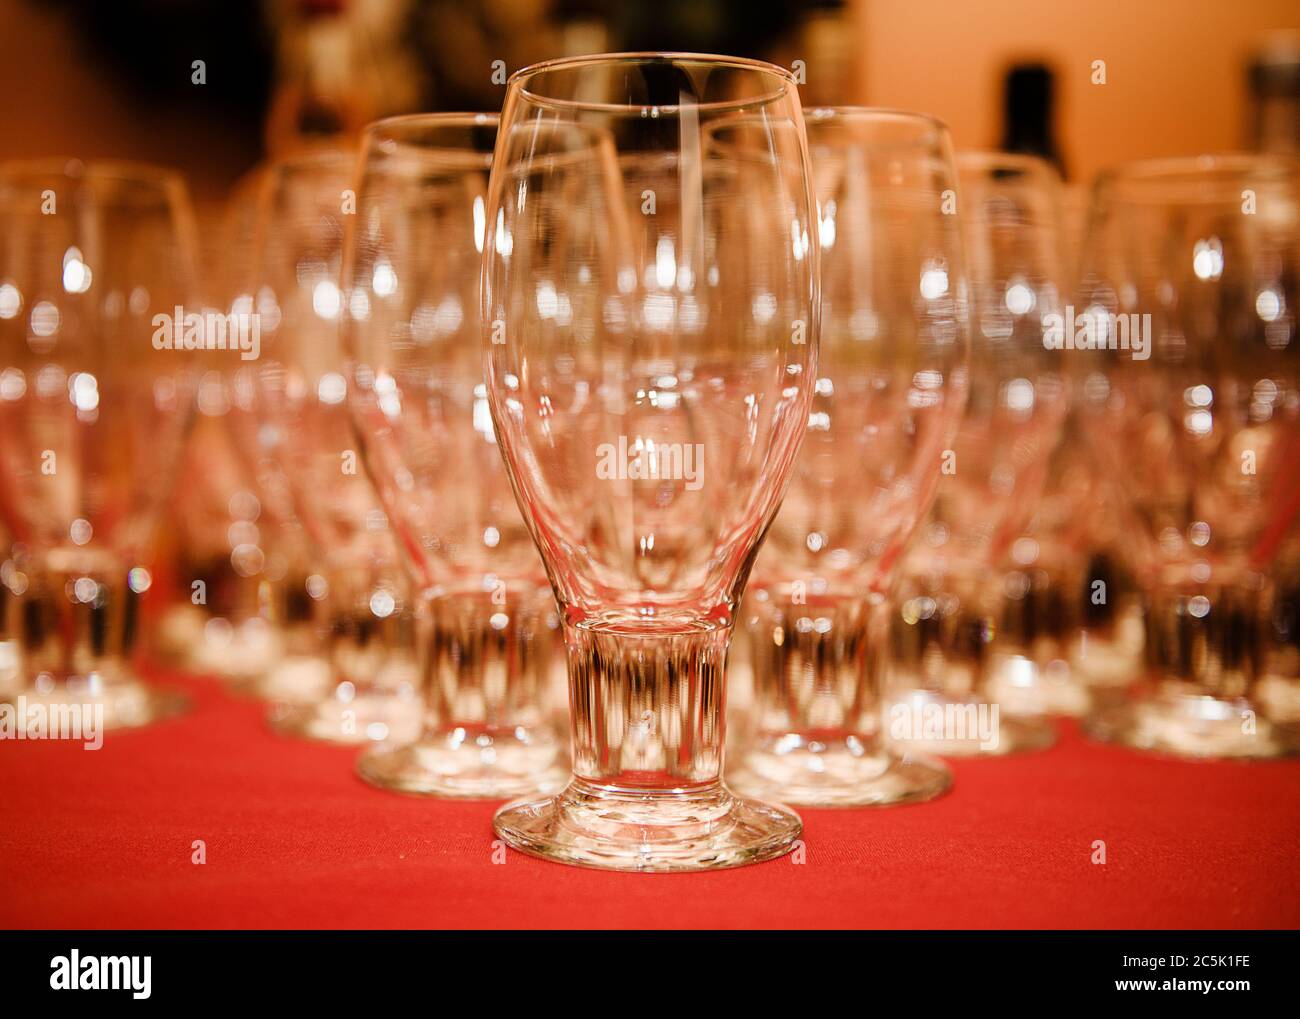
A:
[(815, 667), (1205, 641), (79, 623), (647, 707), (489, 662)]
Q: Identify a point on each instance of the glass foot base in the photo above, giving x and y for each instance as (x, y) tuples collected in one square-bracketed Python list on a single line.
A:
[(294, 679), (588, 826), (1193, 727), (122, 704), (1027, 688), (456, 765), (840, 774), (366, 718), (925, 722), (1280, 697)]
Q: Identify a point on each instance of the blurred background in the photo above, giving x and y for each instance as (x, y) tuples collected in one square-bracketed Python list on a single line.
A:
[(118, 79)]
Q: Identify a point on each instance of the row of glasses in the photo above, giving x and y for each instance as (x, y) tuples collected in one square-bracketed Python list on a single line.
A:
[(660, 242)]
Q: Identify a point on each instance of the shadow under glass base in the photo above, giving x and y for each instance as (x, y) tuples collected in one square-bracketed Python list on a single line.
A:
[(361, 719), (928, 722), (1194, 727), (591, 826), (125, 703), (843, 772), (464, 765)]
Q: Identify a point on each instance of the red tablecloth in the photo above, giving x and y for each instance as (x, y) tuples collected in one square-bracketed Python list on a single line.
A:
[(103, 840)]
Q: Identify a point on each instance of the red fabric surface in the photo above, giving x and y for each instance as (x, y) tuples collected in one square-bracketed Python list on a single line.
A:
[(103, 840)]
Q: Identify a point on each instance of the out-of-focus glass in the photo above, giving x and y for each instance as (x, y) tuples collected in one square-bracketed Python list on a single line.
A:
[(889, 389), (96, 265), (225, 555), (217, 591), (1186, 326), (970, 555), (360, 683), (1070, 633), (650, 320), (420, 404)]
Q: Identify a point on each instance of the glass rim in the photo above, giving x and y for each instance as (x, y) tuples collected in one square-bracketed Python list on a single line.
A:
[(307, 159), (389, 126), (1207, 178), (515, 84), (165, 178), (870, 114), (421, 137), (264, 174), (996, 159)]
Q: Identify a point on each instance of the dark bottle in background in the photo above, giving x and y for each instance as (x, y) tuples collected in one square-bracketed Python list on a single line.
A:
[(1029, 97), (1273, 73)]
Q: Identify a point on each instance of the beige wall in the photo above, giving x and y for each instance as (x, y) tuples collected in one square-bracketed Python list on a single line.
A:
[(1175, 78)]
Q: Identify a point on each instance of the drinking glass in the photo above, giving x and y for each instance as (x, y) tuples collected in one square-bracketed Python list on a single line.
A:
[(967, 560), (1069, 634), (96, 273), (889, 388), (411, 278), (226, 553), (1186, 333), (226, 548), (289, 403), (650, 321)]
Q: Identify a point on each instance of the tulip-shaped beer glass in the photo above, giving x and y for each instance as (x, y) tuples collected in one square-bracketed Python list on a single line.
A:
[(966, 569), (292, 403), (650, 322), (97, 353), (1186, 323), (411, 277), (890, 387)]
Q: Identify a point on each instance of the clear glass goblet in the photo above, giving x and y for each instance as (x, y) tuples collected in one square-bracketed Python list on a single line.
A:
[(96, 265), (411, 279), (650, 318), (1186, 333), (289, 403), (945, 643), (890, 387), (1070, 632), (226, 553)]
